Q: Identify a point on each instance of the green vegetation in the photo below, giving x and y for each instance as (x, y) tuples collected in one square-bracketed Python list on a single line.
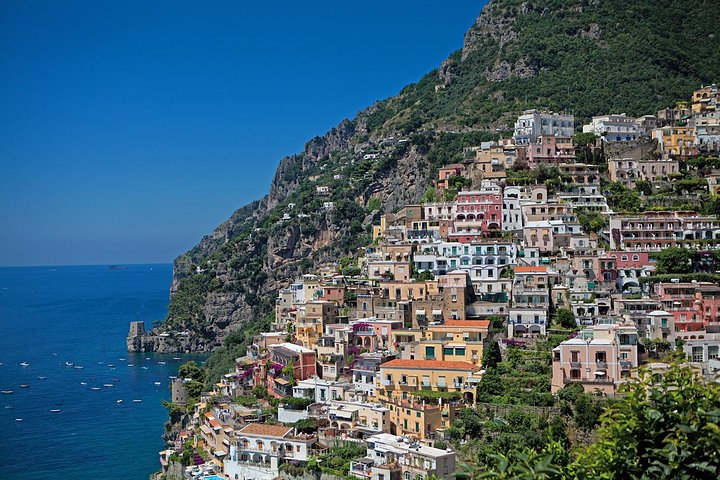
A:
[(565, 318), (664, 427), (491, 355)]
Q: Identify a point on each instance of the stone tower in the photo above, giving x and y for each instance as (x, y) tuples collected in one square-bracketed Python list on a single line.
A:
[(179, 394)]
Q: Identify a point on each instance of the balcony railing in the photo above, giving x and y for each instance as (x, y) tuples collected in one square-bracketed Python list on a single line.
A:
[(625, 365), (601, 365)]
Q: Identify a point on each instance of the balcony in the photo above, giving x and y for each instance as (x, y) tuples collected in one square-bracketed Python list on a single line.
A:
[(625, 365), (601, 365), (575, 365)]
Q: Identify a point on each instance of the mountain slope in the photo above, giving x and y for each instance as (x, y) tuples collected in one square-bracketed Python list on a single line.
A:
[(583, 56)]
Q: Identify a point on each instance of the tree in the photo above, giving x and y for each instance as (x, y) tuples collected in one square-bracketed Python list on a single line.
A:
[(491, 355), (666, 426), (191, 370), (497, 322), (644, 187), (429, 195), (591, 221), (674, 260), (565, 318)]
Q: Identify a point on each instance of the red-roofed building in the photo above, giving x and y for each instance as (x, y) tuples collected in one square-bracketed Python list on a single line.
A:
[(399, 379)]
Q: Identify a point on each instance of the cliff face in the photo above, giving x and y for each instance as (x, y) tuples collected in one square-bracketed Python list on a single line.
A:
[(584, 56)]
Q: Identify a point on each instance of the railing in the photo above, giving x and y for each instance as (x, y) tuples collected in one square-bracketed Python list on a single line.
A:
[(625, 365), (601, 365)]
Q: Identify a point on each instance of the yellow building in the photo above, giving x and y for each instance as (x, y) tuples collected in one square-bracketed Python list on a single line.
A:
[(676, 142), (705, 99), (399, 378), (414, 418)]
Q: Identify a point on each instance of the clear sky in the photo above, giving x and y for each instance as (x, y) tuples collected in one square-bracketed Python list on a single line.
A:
[(130, 129)]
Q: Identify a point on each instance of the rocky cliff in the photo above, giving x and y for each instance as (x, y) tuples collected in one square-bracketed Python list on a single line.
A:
[(583, 56)]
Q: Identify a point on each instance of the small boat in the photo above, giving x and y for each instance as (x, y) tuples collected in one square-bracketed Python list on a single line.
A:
[(172, 377), (95, 388), (108, 385), (1, 364), (144, 368), (137, 401), (121, 359), (158, 384), (119, 401), (24, 364), (111, 365), (55, 410), (147, 358), (161, 363), (42, 378), (55, 354), (7, 392), (83, 383), (24, 385), (69, 364), (8, 407), (18, 419), (79, 367), (177, 358), (131, 364)]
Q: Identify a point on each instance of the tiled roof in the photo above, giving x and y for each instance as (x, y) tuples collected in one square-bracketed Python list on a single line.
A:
[(531, 269), (263, 430), (468, 323), (428, 364)]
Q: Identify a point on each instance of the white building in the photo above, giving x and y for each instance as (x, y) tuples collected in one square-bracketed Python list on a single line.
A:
[(259, 449), (514, 198), (614, 127), (481, 260), (531, 124), (389, 456)]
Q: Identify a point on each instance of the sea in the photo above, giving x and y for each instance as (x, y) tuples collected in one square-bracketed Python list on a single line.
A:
[(81, 407)]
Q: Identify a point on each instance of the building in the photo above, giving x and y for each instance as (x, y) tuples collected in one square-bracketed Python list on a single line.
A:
[(478, 212), (391, 457), (259, 449), (655, 231), (601, 357), (399, 378), (629, 170), (613, 128), (532, 123), (676, 142)]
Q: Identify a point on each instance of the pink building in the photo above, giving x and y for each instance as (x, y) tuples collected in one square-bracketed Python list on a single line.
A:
[(477, 213), (680, 300), (600, 357), (372, 334), (550, 150), (303, 362)]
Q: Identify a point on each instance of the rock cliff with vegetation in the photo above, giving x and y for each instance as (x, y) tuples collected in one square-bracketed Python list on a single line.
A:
[(586, 57)]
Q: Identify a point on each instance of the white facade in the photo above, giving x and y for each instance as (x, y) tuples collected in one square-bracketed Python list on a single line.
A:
[(614, 128), (480, 260), (531, 124)]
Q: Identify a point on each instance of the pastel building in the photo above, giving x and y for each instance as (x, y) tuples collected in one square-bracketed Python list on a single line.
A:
[(533, 123), (613, 128), (601, 357)]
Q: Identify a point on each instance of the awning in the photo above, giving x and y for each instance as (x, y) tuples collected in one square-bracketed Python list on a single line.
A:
[(437, 312), (281, 381), (420, 313), (220, 453), (600, 374)]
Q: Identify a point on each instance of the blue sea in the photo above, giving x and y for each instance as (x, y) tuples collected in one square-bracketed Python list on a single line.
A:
[(53, 315)]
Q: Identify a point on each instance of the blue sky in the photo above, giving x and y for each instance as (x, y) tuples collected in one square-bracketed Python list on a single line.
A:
[(128, 130)]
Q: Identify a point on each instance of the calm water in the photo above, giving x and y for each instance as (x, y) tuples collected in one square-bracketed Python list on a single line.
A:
[(49, 316)]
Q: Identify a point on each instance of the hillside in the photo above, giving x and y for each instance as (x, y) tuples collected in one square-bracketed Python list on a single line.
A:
[(585, 57)]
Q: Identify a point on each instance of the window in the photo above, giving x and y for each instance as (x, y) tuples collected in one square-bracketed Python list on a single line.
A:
[(447, 351), (575, 374), (697, 354), (430, 353), (460, 351), (712, 352), (574, 356)]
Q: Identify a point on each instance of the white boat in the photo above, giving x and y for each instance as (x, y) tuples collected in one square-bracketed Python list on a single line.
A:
[(177, 358), (130, 365), (83, 383), (108, 385), (24, 385), (7, 392), (144, 368), (137, 401), (95, 388), (147, 358), (119, 401), (111, 365), (8, 407), (79, 367), (69, 364), (24, 364), (42, 378), (158, 384), (161, 363), (18, 419), (55, 410), (121, 359)]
